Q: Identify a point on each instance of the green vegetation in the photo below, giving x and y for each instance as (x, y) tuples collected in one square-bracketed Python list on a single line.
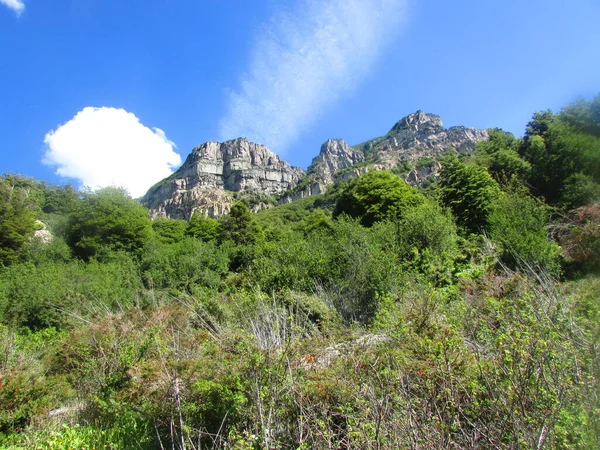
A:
[(375, 315), (107, 220), (469, 191), (376, 196)]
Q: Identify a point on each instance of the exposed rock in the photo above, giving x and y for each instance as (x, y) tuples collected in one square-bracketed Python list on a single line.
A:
[(313, 188), (212, 172), (327, 356), (421, 174), (334, 156), (417, 136), (42, 233), (67, 410)]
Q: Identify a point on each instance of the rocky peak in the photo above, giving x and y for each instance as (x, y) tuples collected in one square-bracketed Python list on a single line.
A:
[(337, 147), (418, 122), (214, 171), (334, 156)]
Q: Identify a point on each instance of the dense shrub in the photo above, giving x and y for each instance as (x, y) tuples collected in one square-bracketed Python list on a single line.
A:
[(469, 191), (107, 220), (519, 224), (184, 266), (376, 196)]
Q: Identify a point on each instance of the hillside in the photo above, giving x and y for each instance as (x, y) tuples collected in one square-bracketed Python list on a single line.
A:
[(214, 172), (460, 313)]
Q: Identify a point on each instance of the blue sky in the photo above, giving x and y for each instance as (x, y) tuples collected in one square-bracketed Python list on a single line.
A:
[(120, 91)]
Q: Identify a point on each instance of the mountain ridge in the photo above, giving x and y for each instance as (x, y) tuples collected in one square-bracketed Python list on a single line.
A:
[(214, 173)]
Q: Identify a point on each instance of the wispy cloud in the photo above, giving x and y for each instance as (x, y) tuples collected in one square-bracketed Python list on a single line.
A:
[(109, 146), (303, 61), (16, 5)]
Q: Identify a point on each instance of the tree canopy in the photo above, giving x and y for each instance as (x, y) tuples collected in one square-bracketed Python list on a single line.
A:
[(108, 219), (376, 196), (17, 216), (469, 191)]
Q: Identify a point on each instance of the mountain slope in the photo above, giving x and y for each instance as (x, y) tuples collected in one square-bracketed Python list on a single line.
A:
[(214, 172)]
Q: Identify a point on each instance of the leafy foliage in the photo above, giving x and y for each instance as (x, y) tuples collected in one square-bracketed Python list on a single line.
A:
[(378, 326), (169, 231), (500, 155), (519, 224), (469, 191), (17, 217), (239, 226), (107, 220), (376, 196), (561, 146), (203, 228)]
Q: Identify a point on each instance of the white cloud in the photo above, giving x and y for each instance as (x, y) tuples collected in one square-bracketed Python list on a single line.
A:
[(16, 5), (109, 146), (304, 61)]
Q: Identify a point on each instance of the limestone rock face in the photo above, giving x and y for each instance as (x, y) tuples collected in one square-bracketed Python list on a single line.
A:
[(213, 172), (42, 233), (421, 174), (416, 140), (420, 135), (334, 156)]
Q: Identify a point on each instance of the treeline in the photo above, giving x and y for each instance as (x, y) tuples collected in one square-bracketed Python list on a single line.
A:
[(377, 315)]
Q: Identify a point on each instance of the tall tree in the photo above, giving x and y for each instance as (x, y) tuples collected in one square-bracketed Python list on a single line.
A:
[(107, 219), (469, 191), (500, 155), (18, 203), (239, 226), (376, 196), (561, 146)]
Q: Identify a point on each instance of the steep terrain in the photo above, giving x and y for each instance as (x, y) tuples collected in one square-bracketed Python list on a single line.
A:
[(413, 144), (214, 172)]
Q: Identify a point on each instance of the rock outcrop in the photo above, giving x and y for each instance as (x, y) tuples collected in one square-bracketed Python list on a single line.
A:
[(335, 155), (42, 233), (420, 135), (213, 172)]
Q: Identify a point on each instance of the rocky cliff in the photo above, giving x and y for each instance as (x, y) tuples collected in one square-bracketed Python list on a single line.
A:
[(413, 144), (213, 172), (420, 135)]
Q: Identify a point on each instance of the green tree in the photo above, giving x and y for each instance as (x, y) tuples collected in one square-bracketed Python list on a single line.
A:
[(107, 220), (18, 207), (169, 231), (203, 228), (561, 146), (428, 241), (59, 199), (376, 196), (500, 155), (579, 190), (239, 226), (469, 191), (583, 115)]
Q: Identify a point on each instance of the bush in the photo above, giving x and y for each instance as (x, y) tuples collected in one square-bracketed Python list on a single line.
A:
[(376, 196), (184, 266), (107, 220), (56, 294), (469, 191), (579, 190), (518, 223), (428, 241)]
